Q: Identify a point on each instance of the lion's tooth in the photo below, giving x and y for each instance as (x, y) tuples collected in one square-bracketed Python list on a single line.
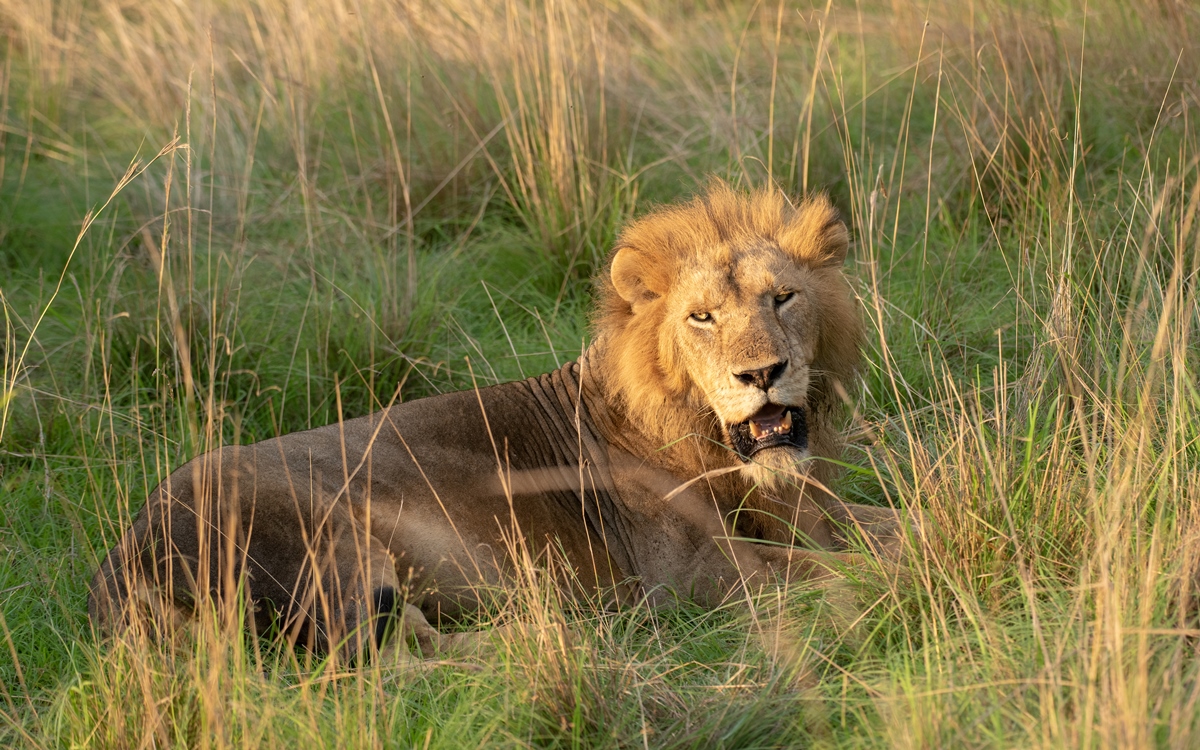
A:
[(785, 424), (755, 430)]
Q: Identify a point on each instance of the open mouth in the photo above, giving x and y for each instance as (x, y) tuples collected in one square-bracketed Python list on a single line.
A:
[(773, 426)]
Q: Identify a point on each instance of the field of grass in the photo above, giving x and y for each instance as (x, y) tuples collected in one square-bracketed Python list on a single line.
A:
[(223, 221)]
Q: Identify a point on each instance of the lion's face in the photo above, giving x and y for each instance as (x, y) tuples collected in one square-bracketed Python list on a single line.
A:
[(746, 334), (734, 307)]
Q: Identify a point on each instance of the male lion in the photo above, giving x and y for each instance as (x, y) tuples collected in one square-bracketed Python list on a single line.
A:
[(723, 330)]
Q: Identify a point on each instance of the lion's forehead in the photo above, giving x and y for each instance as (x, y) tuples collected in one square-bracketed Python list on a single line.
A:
[(717, 277)]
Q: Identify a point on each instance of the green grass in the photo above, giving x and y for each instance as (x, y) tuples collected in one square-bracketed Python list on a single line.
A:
[(333, 205)]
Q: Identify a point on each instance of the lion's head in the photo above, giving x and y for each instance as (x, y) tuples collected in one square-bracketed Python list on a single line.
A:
[(729, 317)]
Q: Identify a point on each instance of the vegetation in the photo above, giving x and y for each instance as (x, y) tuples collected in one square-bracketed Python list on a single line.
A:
[(224, 221)]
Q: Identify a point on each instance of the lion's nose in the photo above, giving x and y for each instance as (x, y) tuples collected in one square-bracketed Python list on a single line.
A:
[(764, 377)]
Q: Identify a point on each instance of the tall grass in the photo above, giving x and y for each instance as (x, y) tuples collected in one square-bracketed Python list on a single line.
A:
[(221, 222)]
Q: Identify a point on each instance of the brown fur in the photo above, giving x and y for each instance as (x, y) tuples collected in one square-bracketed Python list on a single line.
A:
[(620, 463)]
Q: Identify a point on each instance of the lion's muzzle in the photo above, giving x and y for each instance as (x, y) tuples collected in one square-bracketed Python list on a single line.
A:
[(772, 426)]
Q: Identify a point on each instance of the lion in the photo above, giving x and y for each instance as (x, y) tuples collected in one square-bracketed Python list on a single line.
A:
[(684, 454)]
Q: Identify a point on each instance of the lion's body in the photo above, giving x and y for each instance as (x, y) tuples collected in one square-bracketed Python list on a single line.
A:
[(695, 360)]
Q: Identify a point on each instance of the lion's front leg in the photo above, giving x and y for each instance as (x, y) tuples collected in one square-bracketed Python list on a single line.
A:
[(682, 545), (884, 531)]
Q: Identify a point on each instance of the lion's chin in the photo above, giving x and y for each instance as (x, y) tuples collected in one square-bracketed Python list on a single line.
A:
[(776, 468), (772, 434)]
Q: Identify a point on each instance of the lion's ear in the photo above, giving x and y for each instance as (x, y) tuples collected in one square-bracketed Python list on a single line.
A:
[(634, 277), (836, 238), (818, 235)]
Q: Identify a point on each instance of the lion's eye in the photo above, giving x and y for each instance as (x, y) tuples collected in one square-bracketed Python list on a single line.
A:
[(701, 317), (783, 297)]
